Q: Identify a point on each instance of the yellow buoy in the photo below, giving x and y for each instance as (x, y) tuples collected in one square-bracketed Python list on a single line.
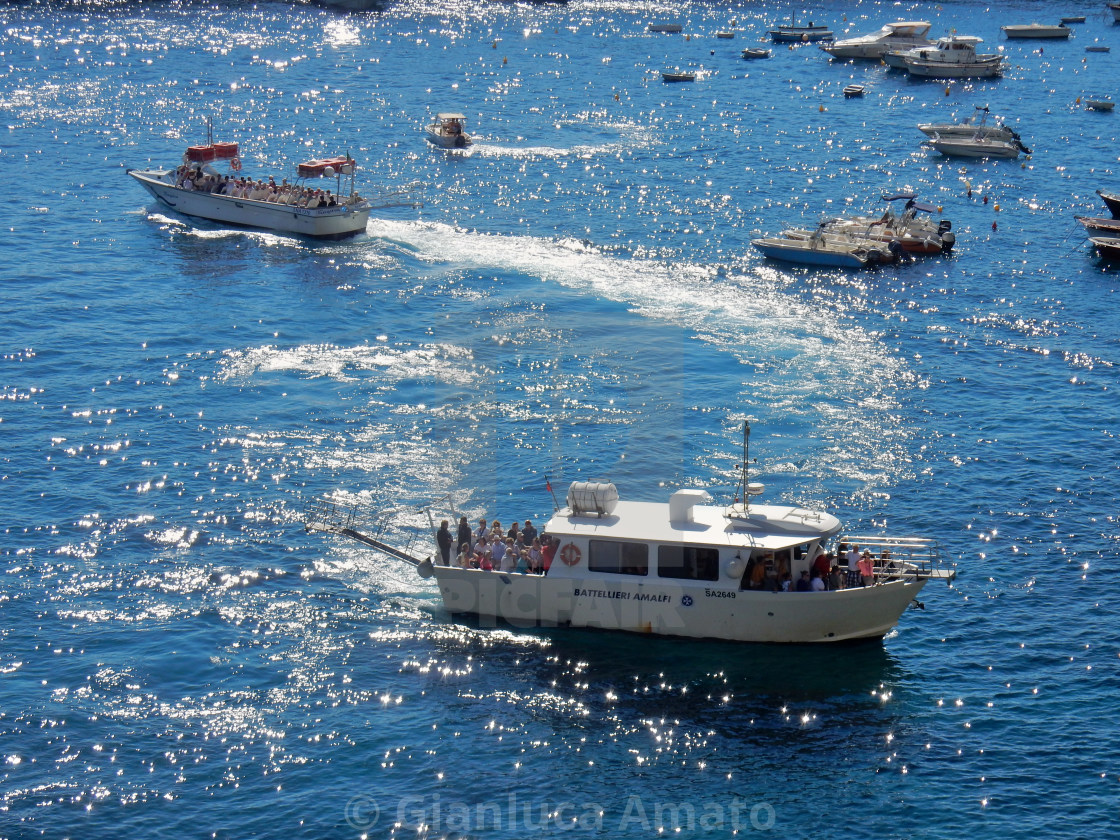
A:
[(995, 207), (946, 90), (821, 109), (505, 60)]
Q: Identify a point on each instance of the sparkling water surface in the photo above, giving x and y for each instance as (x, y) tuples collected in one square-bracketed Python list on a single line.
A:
[(576, 298)]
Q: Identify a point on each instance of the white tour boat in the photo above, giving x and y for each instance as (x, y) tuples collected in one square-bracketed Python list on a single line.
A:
[(685, 568), (197, 188), (900, 35), (449, 131)]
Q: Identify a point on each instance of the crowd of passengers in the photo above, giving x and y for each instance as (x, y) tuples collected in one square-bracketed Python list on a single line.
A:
[(522, 549), (824, 574), (196, 180), (488, 547)]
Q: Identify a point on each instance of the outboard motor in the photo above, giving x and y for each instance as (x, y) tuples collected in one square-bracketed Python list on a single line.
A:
[(948, 238), (899, 253), (875, 256)]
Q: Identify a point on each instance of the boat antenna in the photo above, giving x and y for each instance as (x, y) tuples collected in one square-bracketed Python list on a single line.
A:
[(548, 486), (743, 479)]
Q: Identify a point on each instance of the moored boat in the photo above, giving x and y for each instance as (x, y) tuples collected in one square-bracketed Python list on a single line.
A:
[(974, 125), (665, 28), (900, 35), (1099, 224), (951, 57), (687, 568), (853, 90), (197, 188), (1100, 104), (1114, 7), (796, 33), (1112, 202), (916, 234), (822, 247), (678, 76), (1107, 246), (755, 52), (1037, 30), (1073, 19), (449, 131), (974, 147)]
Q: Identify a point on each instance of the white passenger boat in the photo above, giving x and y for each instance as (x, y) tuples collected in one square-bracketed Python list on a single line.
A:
[(198, 188), (449, 131), (900, 35), (1037, 30), (951, 57), (685, 568), (974, 147)]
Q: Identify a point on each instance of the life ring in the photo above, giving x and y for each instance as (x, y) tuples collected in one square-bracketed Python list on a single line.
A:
[(570, 554), (235, 164)]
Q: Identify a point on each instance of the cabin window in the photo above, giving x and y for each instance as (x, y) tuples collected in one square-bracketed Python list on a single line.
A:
[(687, 562), (619, 558)]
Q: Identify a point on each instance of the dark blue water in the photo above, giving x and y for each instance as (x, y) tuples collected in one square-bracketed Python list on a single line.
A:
[(576, 298)]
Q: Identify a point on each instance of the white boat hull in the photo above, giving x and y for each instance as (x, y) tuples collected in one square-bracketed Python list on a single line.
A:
[(1037, 31), (954, 70), (806, 252), (976, 148), (447, 141), (325, 222), (672, 608)]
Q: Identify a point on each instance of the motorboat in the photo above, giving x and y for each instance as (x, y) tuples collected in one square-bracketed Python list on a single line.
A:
[(1107, 246), (1098, 48), (976, 124), (755, 52), (915, 234), (678, 76), (682, 567), (198, 188), (900, 35), (1037, 30), (725, 34), (796, 33), (975, 147), (853, 90), (665, 28), (1100, 104), (951, 57), (449, 131), (1112, 202), (824, 247), (1073, 19)]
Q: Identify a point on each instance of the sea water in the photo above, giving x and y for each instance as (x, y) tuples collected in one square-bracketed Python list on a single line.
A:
[(576, 299)]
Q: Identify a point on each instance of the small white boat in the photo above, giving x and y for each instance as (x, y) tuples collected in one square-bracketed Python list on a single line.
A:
[(1096, 48), (975, 147), (197, 188), (1037, 30), (678, 76), (684, 567), (854, 90), (977, 124), (900, 35), (824, 247), (1073, 19), (1099, 104), (449, 131), (951, 57), (916, 234), (755, 52), (795, 33), (668, 28), (725, 34)]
